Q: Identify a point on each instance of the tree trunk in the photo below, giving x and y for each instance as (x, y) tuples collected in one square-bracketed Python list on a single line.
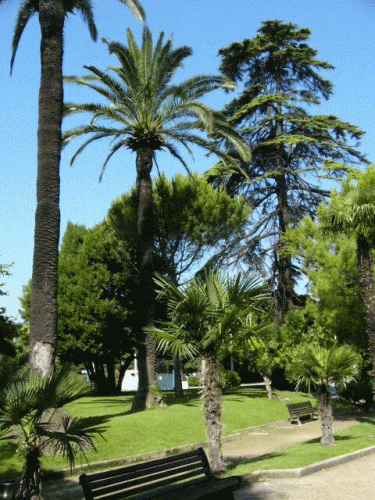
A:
[(43, 315), (147, 394), (283, 262), (268, 384), (123, 367), (111, 378), (177, 378), (211, 397), (30, 486), (325, 415), (366, 280)]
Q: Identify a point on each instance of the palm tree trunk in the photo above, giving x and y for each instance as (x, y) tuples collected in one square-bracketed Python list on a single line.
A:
[(325, 415), (179, 393), (211, 397), (147, 393), (366, 280), (43, 316), (30, 486)]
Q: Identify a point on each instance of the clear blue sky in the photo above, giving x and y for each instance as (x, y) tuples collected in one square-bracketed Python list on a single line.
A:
[(342, 32)]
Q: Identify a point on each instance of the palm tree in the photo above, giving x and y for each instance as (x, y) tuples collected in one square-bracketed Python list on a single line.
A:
[(31, 407), (145, 114), (52, 14), (352, 211), (319, 367), (205, 317)]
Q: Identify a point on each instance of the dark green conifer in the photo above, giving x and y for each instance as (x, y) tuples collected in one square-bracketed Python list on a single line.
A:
[(291, 149)]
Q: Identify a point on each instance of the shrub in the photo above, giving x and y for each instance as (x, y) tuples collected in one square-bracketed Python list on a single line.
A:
[(229, 379), (358, 389), (193, 381)]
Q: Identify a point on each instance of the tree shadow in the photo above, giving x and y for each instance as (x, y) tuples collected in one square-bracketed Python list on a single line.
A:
[(191, 398), (234, 461), (246, 392)]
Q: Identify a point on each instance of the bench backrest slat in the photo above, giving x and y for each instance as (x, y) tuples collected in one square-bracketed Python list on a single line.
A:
[(300, 406), (134, 479), (125, 490)]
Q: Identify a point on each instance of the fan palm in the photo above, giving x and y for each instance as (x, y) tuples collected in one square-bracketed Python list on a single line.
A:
[(319, 367), (31, 408), (52, 14), (206, 315), (353, 211), (146, 114)]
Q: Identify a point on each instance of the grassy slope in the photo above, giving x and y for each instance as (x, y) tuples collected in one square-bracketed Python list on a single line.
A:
[(176, 424)]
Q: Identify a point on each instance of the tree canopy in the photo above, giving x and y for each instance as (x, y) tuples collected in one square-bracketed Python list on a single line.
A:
[(95, 318), (191, 221), (291, 148)]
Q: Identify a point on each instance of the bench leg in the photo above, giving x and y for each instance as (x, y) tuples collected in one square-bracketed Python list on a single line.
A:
[(220, 495)]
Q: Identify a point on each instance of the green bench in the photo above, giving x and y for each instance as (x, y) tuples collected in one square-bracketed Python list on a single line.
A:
[(297, 410), (186, 476)]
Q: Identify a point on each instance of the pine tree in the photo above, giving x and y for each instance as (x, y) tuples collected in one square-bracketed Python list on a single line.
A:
[(291, 149)]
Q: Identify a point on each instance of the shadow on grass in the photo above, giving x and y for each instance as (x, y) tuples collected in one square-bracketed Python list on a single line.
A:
[(191, 398), (233, 462), (246, 392)]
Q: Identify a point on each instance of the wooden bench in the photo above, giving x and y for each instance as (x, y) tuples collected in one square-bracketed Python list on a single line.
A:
[(184, 476), (297, 410)]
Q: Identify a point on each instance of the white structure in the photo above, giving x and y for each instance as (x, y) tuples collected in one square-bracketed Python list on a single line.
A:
[(165, 380)]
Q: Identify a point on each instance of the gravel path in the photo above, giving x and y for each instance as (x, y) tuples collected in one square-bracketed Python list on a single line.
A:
[(351, 481)]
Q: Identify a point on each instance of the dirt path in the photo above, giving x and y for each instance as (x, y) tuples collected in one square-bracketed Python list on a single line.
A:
[(345, 482)]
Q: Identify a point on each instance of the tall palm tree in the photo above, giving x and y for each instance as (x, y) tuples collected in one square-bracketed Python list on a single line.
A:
[(52, 14), (31, 408), (353, 211), (319, 367), (146, 114), (205, 317)]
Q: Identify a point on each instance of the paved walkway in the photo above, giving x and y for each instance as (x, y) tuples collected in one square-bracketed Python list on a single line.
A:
[(350, 481)]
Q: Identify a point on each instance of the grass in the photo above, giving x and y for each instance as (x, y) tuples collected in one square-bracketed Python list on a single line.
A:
[(177, 424), (355, 438)]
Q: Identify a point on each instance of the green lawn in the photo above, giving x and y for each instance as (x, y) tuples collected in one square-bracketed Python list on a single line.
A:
[(177, 424), (355, 438)]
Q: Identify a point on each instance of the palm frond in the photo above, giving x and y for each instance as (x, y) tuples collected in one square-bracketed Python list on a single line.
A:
[(136, 8), (75, 438), (27, 10), (114, 150), (85, 9)]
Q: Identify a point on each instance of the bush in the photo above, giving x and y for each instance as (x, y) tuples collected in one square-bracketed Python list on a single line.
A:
[(229, 379), (193, 381), (359, 389)]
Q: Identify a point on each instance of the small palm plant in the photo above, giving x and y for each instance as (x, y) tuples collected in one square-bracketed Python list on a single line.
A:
[(319, 367), (31, 410), (205, 318)]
